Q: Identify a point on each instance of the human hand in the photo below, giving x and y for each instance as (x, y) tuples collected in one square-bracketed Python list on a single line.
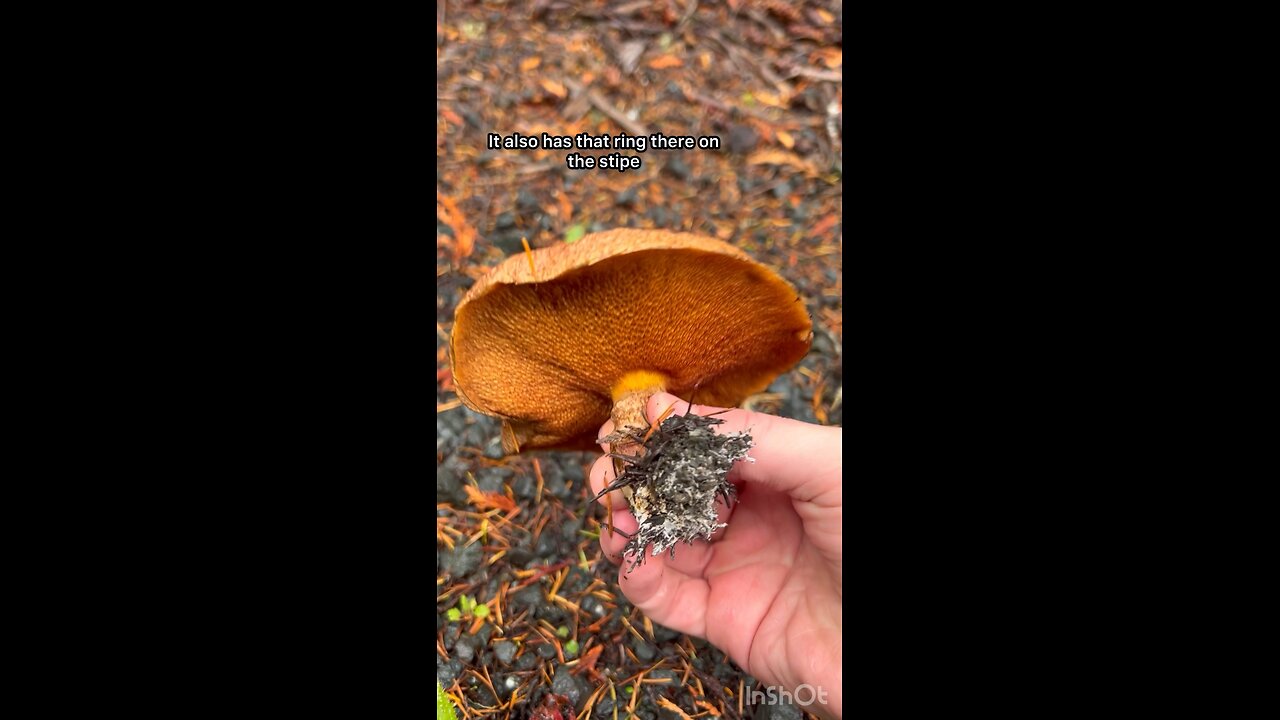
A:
[(767, 589)]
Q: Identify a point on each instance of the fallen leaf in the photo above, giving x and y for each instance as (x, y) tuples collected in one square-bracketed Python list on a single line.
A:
[(805, 32), (464, 235), (765, 130), (826, 16), (768, 98), (629, 55), (780, 157), (819, 411), (705, 60), (824, 225), (566, 206), (451, 116), (487, 500), (782, 9), (589, 660), (530, 63), (831, 57), (785, 138), (665, 61), (554, 88)]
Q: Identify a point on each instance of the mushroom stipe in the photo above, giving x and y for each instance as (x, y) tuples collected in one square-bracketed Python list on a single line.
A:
[(675, 481)]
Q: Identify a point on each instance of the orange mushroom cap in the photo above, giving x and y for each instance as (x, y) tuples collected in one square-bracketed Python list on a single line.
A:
[(546, 349)]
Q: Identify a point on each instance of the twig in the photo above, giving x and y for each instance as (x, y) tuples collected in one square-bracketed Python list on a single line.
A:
[(603, 106), (780, 121), (826, 75), (534, 169), (833, 112), (773, 27), (688, 14), (630, 7)]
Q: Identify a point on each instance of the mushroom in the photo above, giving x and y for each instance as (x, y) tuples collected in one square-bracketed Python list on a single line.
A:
[(558, 340)]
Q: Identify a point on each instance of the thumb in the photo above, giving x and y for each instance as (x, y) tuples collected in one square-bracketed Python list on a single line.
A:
[(797, 458)]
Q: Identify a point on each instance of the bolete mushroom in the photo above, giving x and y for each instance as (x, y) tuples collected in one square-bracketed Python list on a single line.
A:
[(556, 341)]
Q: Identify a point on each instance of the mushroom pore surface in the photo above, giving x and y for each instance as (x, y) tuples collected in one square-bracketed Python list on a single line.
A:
[(547, 351)]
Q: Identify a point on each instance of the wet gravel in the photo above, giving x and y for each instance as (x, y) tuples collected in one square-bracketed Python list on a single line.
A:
[(518, 656)]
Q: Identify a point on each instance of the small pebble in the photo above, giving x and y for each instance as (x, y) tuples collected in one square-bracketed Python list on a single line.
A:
[(628, 196), (526, 201), (678, 167), (569, 685), (465, 648), (505, 652), (447, 672), (461, 560), (643, 650), (742, 138)]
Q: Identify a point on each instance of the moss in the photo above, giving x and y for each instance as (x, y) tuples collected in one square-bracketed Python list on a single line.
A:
[(676, 481)]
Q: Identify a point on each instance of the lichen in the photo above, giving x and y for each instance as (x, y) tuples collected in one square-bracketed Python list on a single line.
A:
[(676, 480)]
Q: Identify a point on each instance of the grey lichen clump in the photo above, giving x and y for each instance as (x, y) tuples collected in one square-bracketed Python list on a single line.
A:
[(676, 479)]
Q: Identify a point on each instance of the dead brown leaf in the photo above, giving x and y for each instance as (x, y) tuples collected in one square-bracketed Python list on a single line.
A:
[(665, 61), (831, 57), (824, 224), (589, 660), (488, 500), (781, 157), (529, 63), (464, 235), (770, 99), (554, 88), (785, 138), (565, 206)]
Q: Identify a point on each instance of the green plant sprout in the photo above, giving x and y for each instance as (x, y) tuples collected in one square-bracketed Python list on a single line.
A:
[(467, 607), (444, 708)]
